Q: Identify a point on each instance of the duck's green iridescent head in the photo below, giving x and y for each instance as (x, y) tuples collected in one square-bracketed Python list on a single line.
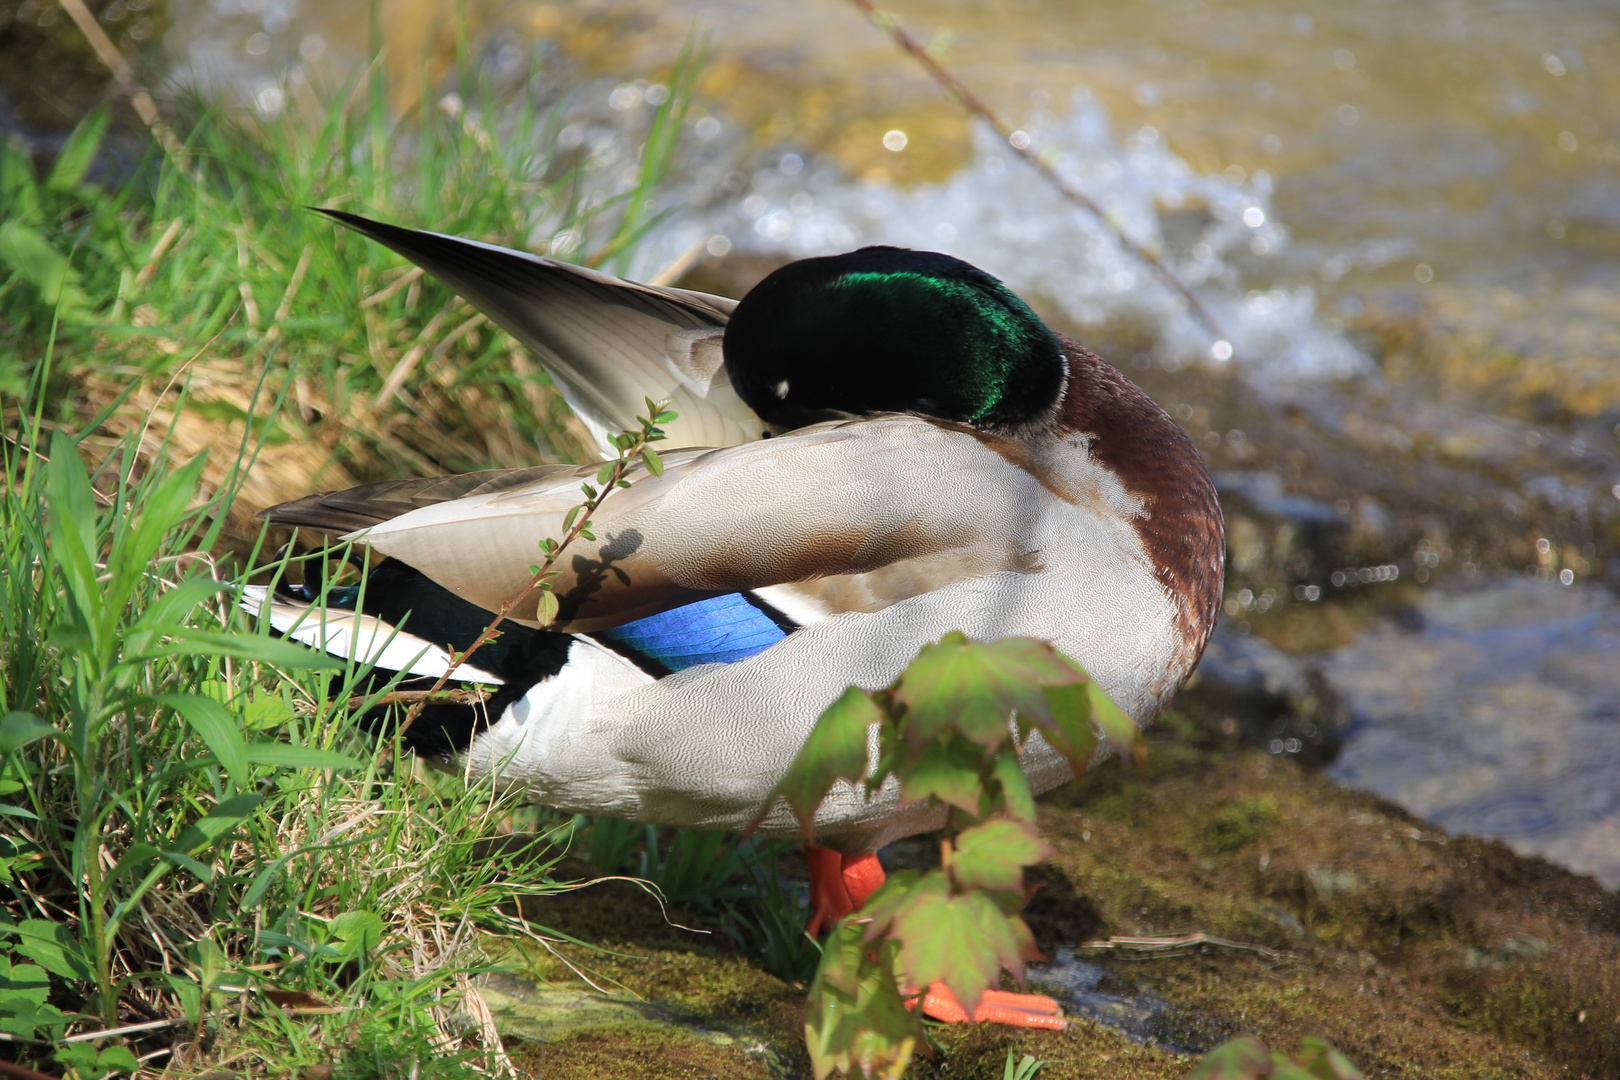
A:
[(887, 329)]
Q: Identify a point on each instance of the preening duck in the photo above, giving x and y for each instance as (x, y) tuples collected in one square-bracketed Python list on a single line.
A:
[(880, 447)]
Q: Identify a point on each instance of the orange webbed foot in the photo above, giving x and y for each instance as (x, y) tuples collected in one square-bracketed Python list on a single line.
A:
[(1020, 1010)]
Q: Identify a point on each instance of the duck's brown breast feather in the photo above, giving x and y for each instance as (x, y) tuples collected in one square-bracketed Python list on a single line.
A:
[(1180, 524)]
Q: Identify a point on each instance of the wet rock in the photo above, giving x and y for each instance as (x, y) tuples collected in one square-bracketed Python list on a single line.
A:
[(1098, 994), (1247, 668), (1495, 713), (1262, 493), (1261, 694)]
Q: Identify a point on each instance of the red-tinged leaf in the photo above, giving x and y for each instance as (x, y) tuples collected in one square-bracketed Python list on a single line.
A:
[(1071, 732), (856, 1018), (974, 687), (1016, 798), (993, 855), (836, 750), (880, 909), (963, 941), (1028, 951), (947, 770), (1318, 1058), (1244, 1058), (1116, 727)]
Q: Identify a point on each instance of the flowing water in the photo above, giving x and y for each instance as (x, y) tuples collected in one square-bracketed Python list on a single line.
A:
[(1403, 216)]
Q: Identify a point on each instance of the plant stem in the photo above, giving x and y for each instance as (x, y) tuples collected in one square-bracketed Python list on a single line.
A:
[(581, 523)]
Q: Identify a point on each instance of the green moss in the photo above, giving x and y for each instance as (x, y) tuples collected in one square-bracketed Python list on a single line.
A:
[(1242, 823), (638, 1052)]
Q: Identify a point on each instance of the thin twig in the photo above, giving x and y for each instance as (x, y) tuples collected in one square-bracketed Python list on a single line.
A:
[(1164, 943), (128, 1029), (114, 60), (582, 522), (411, 697), (976, 105)]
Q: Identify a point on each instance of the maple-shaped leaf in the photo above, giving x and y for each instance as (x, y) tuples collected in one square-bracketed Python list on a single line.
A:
[(947, 769), (993, 855), (963, 941), (883, 906), (836, 750), (1016, 797), (856, 1017), (1323, 1062), (975, 686), (1071, 732), (1027, 949), (1243, 1058)]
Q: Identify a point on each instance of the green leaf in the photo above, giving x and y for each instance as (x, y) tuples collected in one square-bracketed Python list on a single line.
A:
[(207, 830), (191, 641), (1318, 1058), (88, 1063), (947, 770), (18, 729), (654, 463), (264, 711), (568, 522), (993, 855), (1116, 727), (214, 724), (1243, 1058), (974, 687), (666, 417), (605, 473), (19, 193), (73, 533), (25, 982), (856, 1021), (1016, 798), (51, 946), (26, 1020), (546, 607), (298, 757), (963, 941), (32, 258), (79, 151), (356, 932), (1071, 732), (836, 750)]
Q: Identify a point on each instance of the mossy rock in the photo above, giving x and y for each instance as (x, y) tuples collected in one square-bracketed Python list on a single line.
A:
[(1417, 954)]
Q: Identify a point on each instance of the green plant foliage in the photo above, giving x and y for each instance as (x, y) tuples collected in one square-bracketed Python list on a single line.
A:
[(1246, 1058), (949, 730), (1022, 1070), (189, 813)]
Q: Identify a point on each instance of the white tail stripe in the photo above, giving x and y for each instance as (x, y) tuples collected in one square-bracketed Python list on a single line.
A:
[(364, 638)]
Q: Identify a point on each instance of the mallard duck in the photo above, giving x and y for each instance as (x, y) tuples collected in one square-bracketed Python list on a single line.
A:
[(884, 446)]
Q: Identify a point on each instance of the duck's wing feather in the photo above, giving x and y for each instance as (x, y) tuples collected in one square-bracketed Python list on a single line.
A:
[(847, 498), (607, 343), (371, 504)]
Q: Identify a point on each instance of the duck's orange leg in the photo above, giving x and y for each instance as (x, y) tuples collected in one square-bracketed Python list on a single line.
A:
[(841, 883)]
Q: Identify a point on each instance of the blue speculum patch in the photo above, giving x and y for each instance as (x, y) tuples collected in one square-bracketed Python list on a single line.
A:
[(722, 629)]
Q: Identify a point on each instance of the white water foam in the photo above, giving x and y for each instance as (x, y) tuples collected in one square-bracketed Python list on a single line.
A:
[(999, 213)]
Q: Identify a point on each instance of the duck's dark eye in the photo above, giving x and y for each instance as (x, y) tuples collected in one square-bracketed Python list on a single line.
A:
[(764, 434)]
